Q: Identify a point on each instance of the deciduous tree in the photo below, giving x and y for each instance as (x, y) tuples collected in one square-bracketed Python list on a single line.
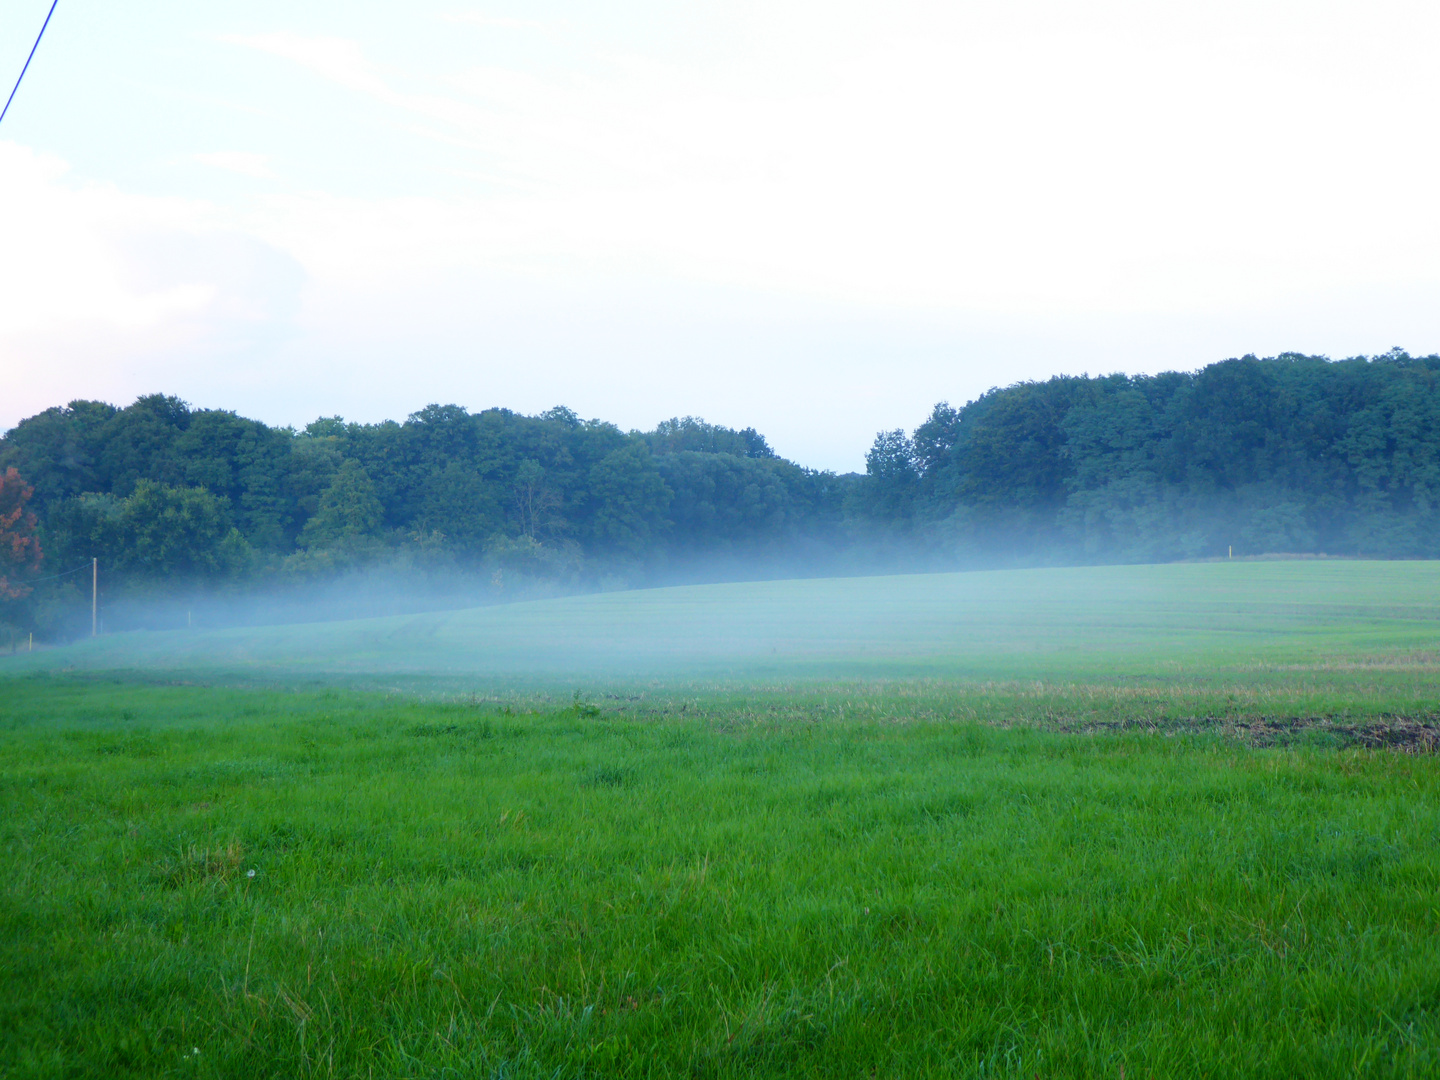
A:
[(20, 554)]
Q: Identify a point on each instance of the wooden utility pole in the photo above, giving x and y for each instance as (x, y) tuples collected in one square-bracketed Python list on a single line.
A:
[(94, 597)]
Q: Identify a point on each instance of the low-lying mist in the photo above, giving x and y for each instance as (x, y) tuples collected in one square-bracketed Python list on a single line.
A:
[(1058, 624), (405, 587)]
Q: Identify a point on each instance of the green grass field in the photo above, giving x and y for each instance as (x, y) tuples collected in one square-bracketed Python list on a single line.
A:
[(1139, 621), (1168, 821)]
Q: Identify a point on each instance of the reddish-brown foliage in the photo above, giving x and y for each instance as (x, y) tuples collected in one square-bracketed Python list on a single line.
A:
[(20, 554)]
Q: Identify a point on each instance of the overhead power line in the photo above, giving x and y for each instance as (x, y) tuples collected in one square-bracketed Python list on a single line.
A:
[(29, 58), (52, 577)]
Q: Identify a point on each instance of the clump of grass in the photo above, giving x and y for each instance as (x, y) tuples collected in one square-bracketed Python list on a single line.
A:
[(196, 865), (613, 776)]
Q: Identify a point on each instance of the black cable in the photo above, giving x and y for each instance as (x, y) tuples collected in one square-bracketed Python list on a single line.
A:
[(52, 577), (28, 59)]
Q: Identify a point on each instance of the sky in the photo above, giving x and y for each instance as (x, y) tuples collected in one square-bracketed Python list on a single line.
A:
[(817, 219)]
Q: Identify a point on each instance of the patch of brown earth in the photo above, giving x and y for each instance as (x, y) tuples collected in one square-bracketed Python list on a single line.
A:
[(1402, 733)]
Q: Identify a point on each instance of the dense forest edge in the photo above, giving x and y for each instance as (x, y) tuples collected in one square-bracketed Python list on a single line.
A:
[(204, 513)]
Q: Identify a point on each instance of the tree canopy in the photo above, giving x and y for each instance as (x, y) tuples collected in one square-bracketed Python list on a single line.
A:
[(172, 498), (1287, 454), (1293, 454)]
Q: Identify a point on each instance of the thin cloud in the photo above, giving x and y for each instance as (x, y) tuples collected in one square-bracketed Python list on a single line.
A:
[(1047, 186), (501, 22), (255, 165), (537, 130), (340, 60)]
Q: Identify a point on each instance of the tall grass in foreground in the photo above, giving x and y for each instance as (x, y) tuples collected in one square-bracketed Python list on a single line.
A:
[(248, 883)]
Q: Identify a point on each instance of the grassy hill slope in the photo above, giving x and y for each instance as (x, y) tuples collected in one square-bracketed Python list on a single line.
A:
[(1089, 622)]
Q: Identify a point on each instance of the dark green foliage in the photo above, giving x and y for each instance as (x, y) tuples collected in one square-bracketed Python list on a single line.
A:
[(58, 450), (892, 468), (725, 502), (141, 443), (157, 534), (457, 502), (677, 434), (248, 463), (1289, 454), (347, 514), (630, 500), (530, 498)]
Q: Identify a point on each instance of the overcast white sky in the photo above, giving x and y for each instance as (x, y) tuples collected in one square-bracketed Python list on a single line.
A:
[(814, 218)]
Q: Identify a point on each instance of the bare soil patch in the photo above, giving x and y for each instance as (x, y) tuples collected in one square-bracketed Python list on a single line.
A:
[(1409, 735)]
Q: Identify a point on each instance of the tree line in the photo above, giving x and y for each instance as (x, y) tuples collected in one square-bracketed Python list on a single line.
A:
[(174, 500), (1290, 454), (1287, 454)]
